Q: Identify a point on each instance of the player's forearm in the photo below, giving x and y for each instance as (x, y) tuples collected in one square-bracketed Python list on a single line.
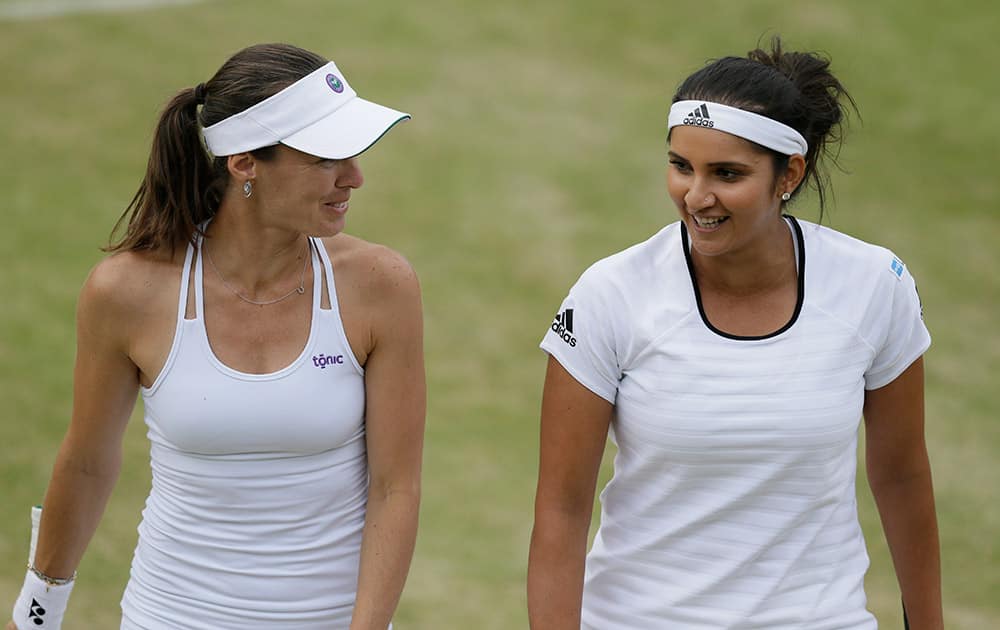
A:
[(906, 506), (74, 502), (555, 571), (386, 550)]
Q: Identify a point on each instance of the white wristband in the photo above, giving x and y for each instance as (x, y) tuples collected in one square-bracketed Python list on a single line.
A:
[(41, 605)]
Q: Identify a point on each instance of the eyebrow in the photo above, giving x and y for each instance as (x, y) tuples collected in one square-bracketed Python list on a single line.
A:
[(711, 164)]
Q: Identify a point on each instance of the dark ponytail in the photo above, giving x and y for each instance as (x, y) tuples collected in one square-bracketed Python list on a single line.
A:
[(174, 196), (183, 185), (795, 88)]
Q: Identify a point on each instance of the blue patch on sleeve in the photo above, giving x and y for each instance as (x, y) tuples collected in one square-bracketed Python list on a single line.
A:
[(897, 267)]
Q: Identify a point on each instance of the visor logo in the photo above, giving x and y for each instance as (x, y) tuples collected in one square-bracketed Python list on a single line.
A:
[(335, 83)]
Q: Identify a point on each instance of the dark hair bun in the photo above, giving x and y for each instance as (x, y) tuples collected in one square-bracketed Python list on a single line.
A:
[(794, 88)]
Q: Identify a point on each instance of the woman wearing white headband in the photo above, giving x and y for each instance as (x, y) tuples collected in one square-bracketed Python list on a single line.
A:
[(280, 364), (731, 356)]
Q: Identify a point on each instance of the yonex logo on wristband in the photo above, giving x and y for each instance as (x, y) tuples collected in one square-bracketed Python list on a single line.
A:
[(699, 117), (36, 612)]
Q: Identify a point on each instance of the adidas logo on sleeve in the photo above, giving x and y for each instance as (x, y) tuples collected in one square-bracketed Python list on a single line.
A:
[(699, 117), (562, 325)]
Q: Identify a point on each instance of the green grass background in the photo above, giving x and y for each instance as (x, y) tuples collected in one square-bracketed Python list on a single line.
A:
[(537, 147)]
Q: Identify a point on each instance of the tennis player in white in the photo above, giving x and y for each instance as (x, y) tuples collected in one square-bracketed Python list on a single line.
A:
[(280, 364), (731, 357)]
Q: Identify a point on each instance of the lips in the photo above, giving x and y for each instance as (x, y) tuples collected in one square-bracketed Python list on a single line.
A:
[(339, 207), (709, 223)]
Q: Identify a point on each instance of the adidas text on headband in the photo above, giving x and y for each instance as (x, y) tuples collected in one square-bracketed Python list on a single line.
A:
[(320, 114), (764, 131)]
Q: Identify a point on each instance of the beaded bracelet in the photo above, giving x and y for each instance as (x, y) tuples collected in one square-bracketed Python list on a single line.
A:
[(51, 581)]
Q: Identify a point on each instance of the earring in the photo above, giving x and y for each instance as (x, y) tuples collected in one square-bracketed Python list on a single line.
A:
[(784, 196), (247, 189)]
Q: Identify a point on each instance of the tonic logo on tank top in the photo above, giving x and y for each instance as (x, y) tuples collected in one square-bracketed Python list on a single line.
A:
[(322, 360)]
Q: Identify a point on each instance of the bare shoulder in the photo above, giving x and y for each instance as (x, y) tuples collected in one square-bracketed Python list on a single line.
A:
[(375, 270), (129, 285), (378, 294)]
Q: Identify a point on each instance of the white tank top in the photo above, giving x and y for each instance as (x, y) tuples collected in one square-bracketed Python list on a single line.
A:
[(259, 482)]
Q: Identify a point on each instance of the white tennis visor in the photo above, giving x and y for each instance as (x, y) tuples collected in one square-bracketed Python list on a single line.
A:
[(319, 114)]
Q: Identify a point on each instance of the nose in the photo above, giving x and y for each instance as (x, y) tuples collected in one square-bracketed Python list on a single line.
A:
[(349, 175), (698, 197)]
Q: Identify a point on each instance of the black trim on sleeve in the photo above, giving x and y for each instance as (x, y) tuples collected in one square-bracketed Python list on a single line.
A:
[(800, 289)]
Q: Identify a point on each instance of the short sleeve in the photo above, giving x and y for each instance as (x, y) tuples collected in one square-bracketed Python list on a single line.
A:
[(582, 338), (902, 337)]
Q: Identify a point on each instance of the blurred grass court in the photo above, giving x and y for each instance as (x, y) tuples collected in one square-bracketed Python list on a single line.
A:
[(537, 146)]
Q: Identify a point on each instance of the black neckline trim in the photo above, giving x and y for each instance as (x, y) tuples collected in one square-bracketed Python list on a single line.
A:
[(800, 289)]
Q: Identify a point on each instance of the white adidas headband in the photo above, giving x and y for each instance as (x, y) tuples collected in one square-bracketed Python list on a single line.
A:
[(319, 114), (739, 122)]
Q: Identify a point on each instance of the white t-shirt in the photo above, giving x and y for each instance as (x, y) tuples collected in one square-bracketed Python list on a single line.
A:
[(732, 503)]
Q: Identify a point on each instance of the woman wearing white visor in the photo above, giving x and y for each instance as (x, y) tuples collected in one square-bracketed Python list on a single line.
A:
[(279, 360), (731, 356)]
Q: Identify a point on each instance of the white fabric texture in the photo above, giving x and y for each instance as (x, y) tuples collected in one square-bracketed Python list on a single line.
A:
[(255, 515), (732, 503), (764, 131)]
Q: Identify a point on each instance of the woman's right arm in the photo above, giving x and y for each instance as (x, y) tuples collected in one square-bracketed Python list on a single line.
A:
[(105, 385), (574, 430)]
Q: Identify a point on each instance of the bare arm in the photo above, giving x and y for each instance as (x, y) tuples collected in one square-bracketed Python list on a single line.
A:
[(899, 474), (395, 410), (105, 384), (574, 430)]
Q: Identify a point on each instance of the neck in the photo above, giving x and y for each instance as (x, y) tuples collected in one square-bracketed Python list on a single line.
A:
[(253, 256), (752, 270)]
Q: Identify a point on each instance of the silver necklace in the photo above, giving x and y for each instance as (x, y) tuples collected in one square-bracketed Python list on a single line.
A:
[(299, 289)]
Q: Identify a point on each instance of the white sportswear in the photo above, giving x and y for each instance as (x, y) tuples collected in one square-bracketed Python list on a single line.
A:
[(260, 482), (733, 502)]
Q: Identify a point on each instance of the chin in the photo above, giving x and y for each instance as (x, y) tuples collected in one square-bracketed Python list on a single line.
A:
[(707, 252), (711, 248), (331, 228), (324, 233)]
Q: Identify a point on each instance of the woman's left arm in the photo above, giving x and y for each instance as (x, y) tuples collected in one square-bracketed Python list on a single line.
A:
[(395, 394), (899, 474)]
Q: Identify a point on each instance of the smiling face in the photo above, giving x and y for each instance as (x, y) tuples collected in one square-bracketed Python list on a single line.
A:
[(304, 193), (727, 191)]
